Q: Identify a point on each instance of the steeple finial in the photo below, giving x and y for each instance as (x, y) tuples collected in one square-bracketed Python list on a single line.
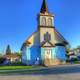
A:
[(44, 7)]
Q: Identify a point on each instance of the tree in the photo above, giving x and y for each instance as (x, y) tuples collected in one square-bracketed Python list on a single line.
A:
[(78, 48), (68, 49), (18, 53), (8, 50)]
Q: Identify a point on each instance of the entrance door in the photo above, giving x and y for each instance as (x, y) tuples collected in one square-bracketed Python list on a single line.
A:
[(48, 56)]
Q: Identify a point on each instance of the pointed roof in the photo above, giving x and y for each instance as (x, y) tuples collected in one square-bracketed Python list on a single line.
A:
[(47, 44), (59, 37), (44, 7), (26, 43)]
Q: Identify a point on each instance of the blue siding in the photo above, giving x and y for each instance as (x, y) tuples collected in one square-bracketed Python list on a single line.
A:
[(42, 55), (60, 53), (23, 57), (26, 55), (30, 54), (53, 53), (35, 53)]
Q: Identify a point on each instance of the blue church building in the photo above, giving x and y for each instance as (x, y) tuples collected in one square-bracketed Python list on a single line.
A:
[(46, 46)]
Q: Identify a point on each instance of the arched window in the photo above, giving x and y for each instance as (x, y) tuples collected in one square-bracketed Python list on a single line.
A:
[(43, 21), (47, 36), (49, 22)]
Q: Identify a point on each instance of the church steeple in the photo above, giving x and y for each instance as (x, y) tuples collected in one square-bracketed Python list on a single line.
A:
[(44, 7), (45, 18)]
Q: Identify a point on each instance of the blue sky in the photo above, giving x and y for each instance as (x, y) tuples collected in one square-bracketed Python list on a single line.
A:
[(18, 20)]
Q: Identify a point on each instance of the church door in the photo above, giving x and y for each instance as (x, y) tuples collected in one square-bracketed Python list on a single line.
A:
[(48, 55)]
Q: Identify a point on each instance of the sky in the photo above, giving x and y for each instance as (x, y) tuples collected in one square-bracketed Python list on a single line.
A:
[(18, 20)]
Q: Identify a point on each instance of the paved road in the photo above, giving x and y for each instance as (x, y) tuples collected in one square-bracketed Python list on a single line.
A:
[(42, 77), (71, 72)]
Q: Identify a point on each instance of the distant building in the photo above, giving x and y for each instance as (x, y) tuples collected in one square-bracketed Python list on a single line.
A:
[(46, 46), (72, 55), (12, 57)]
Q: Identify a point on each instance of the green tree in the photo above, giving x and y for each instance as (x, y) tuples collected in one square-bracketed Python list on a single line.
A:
[(8, 50), (68, 48), (78, 48), (18, 53)]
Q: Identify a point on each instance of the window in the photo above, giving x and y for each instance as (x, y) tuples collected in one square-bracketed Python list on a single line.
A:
[(49, 22), (47, 37), (43, 21)]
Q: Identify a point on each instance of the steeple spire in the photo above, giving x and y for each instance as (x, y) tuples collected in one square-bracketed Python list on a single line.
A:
[(44, 7)]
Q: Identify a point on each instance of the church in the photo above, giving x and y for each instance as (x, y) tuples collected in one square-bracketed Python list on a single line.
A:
[(46, 46)]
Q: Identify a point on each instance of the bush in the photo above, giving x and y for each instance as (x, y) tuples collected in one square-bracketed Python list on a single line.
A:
[(73, 60), (2, 60), (16, 64)]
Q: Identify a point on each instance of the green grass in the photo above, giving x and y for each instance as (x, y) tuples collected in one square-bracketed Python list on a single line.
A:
[(14, 70), (15, 67)]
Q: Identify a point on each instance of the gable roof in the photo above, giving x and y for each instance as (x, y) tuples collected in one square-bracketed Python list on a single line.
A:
[(59, 38), (26, 43), (47, 44)]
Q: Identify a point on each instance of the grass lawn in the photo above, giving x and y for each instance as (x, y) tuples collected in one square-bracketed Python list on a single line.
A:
[(17, 67), (14, 70)]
